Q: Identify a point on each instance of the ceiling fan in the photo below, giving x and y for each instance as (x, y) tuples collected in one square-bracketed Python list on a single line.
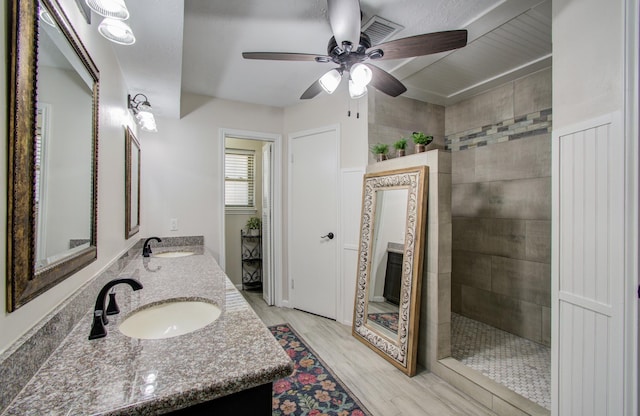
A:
[(351, 50)]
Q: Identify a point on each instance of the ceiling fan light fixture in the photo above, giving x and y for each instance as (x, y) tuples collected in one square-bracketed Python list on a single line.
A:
[(115, 9), (375, 54), (357, 91), (361, 74), (117, 31), (330, 81)]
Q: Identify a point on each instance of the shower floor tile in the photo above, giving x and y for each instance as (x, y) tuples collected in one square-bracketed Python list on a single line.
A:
[(521, 365)]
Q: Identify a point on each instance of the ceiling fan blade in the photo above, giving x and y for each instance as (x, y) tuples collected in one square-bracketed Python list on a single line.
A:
[(423, 44), (312, 91), (385, 82), (280, 56), (344, 17)]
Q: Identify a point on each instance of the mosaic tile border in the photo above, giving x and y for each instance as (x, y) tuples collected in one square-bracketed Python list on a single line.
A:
[(532, 124)]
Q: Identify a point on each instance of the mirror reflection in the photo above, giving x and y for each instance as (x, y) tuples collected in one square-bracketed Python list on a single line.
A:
[(52, 163), (386, 264), (63, 147), (132, 184), (390, 264)]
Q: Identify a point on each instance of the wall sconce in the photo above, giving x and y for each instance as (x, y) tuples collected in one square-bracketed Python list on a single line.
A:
[(141, 108), (113, 26)]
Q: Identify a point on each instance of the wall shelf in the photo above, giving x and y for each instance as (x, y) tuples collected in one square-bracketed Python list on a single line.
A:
[(251, 252)]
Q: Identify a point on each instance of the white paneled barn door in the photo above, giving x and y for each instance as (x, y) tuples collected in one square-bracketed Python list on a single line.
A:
[(588, 268)]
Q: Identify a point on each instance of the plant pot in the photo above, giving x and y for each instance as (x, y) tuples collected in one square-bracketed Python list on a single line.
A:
[(254, 232), (420, 148), (380, 157), (400, 152)]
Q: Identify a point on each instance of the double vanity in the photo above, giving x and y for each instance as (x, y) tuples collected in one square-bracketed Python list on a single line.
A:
[(223, 356)]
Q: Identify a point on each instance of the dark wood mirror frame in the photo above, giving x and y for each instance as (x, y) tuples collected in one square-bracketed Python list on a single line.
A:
[(401, 350), (24, 282), (131, 144)]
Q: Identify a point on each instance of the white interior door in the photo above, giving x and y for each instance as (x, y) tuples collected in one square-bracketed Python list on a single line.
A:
[(267, 224), (313, 246)]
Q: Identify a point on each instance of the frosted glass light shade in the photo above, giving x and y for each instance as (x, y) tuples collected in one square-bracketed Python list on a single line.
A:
[(361, 74), (330, 81), (115, 9), (117, 31), (357, 91), (147, 121)]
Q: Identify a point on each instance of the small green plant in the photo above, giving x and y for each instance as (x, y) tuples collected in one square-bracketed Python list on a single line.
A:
[(380, 149), (420, 138), (400, 144), (254, 223)]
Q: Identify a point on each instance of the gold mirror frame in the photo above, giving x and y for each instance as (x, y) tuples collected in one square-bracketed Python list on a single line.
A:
[(131, 144), (401, 351), (24, 282)]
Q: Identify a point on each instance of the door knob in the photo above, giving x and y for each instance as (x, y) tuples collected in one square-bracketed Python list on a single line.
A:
[(329, 235)]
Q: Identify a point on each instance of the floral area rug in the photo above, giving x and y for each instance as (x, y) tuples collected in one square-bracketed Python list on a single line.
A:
[(312, 389), (388, 320)]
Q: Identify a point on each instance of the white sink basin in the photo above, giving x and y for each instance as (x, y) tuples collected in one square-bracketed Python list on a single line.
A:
[(169, 319), (174, 254)]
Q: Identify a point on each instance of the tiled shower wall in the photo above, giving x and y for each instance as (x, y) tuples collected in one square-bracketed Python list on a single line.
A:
[(391, 119), (501, 206)]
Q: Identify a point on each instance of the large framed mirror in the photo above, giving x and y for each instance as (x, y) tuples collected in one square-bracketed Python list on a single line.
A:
[(390, 264), (132, 184), (53, 148)]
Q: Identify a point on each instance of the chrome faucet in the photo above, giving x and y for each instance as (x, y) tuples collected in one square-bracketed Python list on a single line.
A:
[(146, 249), (99, 314)]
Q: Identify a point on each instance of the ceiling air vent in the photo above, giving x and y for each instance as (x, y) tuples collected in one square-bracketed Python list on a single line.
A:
[(379, 29)]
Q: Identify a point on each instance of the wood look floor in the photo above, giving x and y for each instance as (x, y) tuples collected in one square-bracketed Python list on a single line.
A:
[(382, 388)]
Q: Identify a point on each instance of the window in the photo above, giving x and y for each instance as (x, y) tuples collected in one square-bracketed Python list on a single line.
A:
[(239, 178)]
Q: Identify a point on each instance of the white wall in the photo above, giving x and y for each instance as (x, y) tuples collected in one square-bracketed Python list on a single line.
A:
[(113, 115), (588, 59), (180, 174)]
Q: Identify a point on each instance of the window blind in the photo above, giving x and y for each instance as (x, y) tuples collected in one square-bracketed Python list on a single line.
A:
[(239, 178)]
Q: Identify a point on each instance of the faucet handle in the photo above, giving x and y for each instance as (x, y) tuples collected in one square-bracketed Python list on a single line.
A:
[(112, 307), (97, 328)]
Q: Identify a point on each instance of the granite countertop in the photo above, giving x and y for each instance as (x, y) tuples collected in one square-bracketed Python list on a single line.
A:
[(118, 375)]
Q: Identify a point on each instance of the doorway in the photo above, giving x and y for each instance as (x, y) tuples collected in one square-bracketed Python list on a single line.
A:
[(264, 150), (314, 212)]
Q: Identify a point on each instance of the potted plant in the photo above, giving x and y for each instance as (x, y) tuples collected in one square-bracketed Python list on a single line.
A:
[(380, 150), (253, 226), (421, 140), (400, 146)]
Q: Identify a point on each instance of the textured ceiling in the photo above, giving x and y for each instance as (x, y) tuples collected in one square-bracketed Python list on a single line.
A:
[(195, 46)]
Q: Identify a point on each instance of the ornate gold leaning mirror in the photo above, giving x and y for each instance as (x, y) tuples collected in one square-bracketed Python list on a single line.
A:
[(132, 184), (53, 148), (390, 264)]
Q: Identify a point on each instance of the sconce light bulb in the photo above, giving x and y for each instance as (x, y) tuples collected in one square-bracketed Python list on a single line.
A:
[(117, 31), (115, 9)]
